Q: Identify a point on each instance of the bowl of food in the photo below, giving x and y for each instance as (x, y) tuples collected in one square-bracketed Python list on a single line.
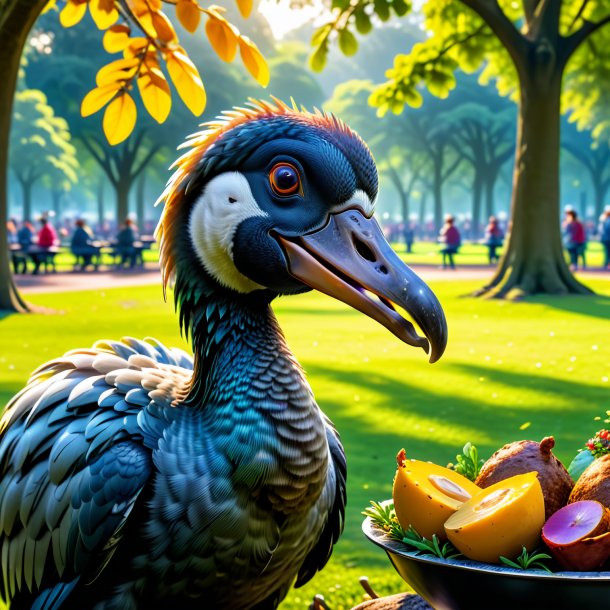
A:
[(463, 584), (517, 532)]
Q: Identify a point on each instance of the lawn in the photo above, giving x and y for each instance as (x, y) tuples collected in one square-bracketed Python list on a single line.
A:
[(511, 371), (424, 253), (473, 253)]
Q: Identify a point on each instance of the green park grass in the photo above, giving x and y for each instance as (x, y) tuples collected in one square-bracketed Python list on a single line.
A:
[(424, 253), (511, 371)]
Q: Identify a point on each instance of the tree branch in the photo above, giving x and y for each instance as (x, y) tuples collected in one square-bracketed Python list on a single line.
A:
[(548, 13), (579, 13), (529, 10), (451, 168), (577, 153), (573, 41), (101, 161), (512, 40), (151, 153)]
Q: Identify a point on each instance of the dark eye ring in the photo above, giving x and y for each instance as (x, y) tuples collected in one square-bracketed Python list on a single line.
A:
[(285, 179)]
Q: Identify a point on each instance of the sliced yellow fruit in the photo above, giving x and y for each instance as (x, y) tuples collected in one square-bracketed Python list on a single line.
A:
[(426, 495), (499, 520)]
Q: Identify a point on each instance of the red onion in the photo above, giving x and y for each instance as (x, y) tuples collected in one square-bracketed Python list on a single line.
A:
[(577, 535)]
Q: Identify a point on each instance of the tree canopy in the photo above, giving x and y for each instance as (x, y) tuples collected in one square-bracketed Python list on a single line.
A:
[(534, 51), (40, 145), (147, 40)]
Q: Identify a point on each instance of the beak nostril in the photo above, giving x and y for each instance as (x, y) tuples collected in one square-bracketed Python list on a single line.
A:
[(383, 269), (364, 251)]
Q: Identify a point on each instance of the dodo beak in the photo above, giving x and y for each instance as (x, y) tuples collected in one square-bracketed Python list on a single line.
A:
[(349, 259)]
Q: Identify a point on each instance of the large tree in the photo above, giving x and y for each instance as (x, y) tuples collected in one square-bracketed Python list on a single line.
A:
[(40, 145), (155, 46), (594, 155), (483, 136), (530, 47)]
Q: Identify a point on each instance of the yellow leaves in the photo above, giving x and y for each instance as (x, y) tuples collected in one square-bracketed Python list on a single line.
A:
[(72, 13), (187, 81), (188, 14), (143, 55), (116, 38), (49, 6), (119, 118), (104, 13), (155, 93), (253, 60), (164, 28), (222, 35), (118, 70), (245, 7), (225, 39), (97, 98)]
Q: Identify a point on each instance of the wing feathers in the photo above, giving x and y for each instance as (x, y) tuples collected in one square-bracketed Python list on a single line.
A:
[(75, 453)]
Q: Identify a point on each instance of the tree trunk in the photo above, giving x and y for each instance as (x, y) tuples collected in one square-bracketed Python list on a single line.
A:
[(491, 176), (100, 203), (140, 189), (122, 201), (422, 213), (477, 195), (534, 260), (16, 19), (26, 196), (437, 191), (600, 190), (56, 202)]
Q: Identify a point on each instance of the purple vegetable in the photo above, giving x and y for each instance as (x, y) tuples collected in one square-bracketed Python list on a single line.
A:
[(574, 522)]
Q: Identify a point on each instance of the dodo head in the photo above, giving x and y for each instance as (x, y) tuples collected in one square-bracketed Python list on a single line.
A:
[(277, 200)]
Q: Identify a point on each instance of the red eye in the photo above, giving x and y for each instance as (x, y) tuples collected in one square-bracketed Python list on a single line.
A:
[(285, 179)]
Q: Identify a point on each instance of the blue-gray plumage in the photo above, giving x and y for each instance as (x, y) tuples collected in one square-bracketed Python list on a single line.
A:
[(133, 476)]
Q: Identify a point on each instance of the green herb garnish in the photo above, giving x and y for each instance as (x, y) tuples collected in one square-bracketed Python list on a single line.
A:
[(528, 561), (384, 517), (468, 463)]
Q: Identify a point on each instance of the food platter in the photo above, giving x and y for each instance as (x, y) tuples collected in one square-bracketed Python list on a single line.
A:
[(461, 584)]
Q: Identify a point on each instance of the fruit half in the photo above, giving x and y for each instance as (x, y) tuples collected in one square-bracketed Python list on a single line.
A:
[(577, 535), (426, 495), (499, 520)]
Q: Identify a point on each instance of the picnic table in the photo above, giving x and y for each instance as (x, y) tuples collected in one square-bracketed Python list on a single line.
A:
[(41, 257), (44, 258)]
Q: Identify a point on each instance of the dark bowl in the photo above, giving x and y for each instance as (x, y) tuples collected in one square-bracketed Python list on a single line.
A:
[(461, 584)]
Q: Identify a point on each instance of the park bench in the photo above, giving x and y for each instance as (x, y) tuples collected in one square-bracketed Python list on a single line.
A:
[(40, 257)]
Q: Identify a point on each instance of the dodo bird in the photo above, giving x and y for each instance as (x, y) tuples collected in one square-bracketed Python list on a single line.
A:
[(134, 477)]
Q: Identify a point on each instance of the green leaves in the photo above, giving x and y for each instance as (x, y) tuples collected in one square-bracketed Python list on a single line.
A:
[(347, 42), (40, 141), (384, 517), (468, 463), (528, 561), (362, 21), (349, 15)]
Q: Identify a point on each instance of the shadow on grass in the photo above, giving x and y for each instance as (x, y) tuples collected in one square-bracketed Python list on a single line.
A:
[(373, 434), (594, 306)]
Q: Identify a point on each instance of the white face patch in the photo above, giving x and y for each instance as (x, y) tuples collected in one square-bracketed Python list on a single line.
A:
[(224, 204), (358, 200)]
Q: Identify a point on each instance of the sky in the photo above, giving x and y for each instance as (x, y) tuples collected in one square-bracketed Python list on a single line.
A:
[(282, 17)]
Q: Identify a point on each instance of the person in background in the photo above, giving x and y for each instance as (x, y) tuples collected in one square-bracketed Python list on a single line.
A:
[(451, 238), (604, 235), (493, 239), (574, 238), (409, 234), (81, 244), (25, 239), (25, 235), (18, 258), (46, 239), (125, 244)]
